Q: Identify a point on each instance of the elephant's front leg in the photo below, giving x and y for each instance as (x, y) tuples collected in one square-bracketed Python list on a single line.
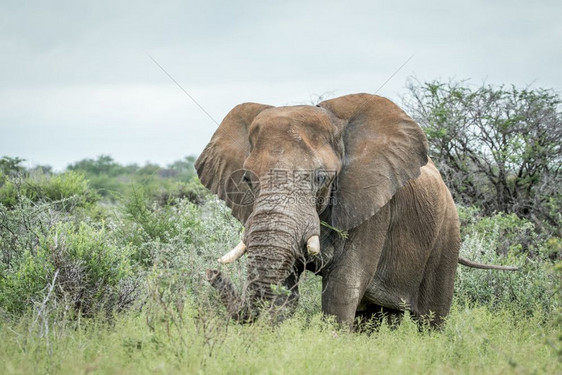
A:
[(353, 268)]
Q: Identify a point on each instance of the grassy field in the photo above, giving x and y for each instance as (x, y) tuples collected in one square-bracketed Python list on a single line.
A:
[(474, 341)]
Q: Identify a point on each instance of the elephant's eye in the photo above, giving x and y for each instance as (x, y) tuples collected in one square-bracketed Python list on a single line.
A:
[(247, 180), (320, 178)]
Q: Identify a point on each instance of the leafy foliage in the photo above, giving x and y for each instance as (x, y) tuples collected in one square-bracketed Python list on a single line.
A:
[(498, 148), (100, 253), (103, 165), (43, 238), (66, 189), (500, 239), (11, 166), (87, 258), (112, 180)]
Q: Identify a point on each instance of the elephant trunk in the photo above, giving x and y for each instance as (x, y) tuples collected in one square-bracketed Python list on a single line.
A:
[(277, 238), (228, 295)]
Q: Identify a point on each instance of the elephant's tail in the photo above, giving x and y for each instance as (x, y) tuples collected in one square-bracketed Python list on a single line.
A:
[(469, 263)]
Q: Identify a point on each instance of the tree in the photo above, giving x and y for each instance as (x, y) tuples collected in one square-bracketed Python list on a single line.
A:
[(104, 164), (498, 148), (10, 166), (184, 169)]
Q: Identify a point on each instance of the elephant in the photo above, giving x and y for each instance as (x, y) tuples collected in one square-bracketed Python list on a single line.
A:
[(344, 189)]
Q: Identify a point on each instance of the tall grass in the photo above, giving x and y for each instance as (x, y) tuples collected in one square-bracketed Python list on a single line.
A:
[(474, 340)]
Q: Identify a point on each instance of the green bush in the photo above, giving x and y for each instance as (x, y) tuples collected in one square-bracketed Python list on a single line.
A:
[(59, 187), (108, 187), (103, 165), (510, 233), (10, 166), (51, 226), (8, 192), (22, 284), (147, 225), (178, 264), (508, 240), (92, 265), (179, 242), (69, 189), (90, 268), (41, 237), (23, 228), (193, 191), (113, 181)]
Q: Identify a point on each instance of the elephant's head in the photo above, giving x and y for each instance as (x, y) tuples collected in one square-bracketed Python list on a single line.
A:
[(341, 161)]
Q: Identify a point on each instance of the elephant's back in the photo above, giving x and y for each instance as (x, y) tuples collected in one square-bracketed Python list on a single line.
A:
[(422, 206)]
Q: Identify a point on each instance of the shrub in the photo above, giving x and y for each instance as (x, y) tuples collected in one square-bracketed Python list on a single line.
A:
[(24, 281), (22, 228), (10, 166), (103, 165), (42, 239), (68, 190), (113, 181), (91, 264), (508, 232), (503, 239), (193, 191), (150, 227), (90, 270), (8, 191)]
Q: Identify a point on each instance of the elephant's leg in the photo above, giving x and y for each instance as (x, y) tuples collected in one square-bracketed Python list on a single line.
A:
[(374, 314), (436, 288), (342, 290), (353, 268)]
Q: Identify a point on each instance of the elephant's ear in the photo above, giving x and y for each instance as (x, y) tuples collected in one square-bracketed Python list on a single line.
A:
[(219, 166), (383, 149)]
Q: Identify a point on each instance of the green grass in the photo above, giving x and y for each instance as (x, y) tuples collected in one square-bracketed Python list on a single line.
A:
[(475, 340)]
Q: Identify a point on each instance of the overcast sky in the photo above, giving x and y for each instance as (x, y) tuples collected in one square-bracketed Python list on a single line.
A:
[(76, 80)]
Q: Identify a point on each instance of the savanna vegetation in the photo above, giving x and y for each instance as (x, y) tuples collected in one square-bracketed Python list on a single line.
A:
[(102, 266)]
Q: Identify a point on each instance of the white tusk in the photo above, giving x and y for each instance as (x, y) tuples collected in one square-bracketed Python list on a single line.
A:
[(313, 245), (233, 254)]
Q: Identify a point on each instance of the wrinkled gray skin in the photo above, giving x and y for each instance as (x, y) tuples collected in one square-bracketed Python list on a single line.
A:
[(370, 176)]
